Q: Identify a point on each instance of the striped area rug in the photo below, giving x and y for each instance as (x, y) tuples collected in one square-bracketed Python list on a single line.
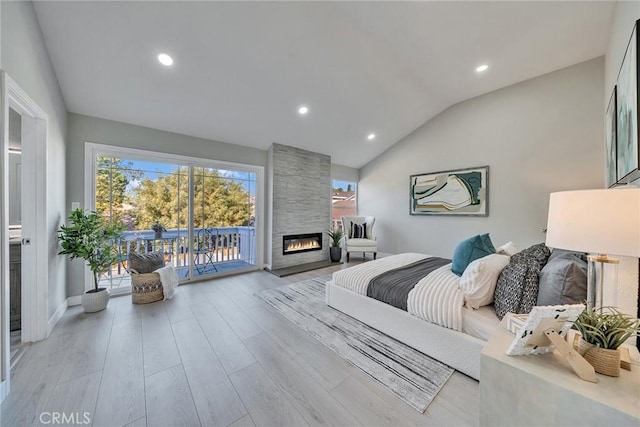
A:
[(412, 376)]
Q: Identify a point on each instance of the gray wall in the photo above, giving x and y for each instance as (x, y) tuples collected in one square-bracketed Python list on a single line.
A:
[(538, 136), (301, 201), (25, 59)]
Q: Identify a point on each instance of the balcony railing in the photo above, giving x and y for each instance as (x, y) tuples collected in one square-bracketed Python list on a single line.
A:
[(229, 248)]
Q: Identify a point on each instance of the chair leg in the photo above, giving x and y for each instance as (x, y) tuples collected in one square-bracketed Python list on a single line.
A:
[(364, 256), (374, 255), (347, 256)]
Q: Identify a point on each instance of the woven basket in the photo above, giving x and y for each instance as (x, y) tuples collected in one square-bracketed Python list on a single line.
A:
[(145, 287), (604, 361)]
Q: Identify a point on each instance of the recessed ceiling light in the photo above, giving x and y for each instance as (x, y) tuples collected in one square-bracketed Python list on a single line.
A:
[(371, 136), (483, 67), (165, 59), (303, 110)]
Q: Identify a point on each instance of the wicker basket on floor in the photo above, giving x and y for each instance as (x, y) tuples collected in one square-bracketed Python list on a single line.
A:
[(145, 287)]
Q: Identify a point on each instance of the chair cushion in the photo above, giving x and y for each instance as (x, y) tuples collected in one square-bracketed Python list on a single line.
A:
[(361, 243), (470, 250), (146, 263)]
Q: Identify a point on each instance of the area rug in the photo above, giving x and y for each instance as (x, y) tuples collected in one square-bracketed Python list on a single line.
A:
[(411, 375)]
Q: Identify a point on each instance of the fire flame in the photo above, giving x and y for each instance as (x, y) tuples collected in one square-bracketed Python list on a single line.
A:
[(298, 245)]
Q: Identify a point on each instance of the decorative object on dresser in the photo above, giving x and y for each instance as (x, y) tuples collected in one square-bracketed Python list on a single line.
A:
[(90, 236), (335, 250), (545, 329), (354, 226), (627, 152), (604, 330), (600, 222), (455, 192)]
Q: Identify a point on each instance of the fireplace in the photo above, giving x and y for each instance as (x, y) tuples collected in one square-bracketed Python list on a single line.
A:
[(298, 243)]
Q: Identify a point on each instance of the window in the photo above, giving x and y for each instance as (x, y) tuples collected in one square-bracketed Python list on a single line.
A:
[(343, 202), (201, 216)]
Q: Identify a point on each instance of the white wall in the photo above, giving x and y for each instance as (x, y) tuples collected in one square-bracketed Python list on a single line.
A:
[(538, 136), (624, 18), (25, 59)]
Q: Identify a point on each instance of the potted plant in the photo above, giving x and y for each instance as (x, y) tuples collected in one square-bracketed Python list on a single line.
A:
[(335, 251), (158, 228), (90, 236), (603, 330)]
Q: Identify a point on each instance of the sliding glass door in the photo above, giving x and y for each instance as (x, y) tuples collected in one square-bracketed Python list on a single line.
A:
[(201, 218)]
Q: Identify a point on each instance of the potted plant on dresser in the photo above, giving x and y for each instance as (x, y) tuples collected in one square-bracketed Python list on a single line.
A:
[(90, 236), (603, 330), (335, 251)]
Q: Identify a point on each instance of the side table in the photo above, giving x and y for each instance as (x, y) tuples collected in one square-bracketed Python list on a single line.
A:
[(543, 390)]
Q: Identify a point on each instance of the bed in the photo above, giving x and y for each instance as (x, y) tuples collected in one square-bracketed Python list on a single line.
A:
[(442, 328)]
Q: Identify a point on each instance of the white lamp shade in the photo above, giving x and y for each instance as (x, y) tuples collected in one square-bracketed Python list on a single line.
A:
[(595, 221)]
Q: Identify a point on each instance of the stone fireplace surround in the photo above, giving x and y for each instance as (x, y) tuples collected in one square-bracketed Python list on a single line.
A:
[(300, 194)]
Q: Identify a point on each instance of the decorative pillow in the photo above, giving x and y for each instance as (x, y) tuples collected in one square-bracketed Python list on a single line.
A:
[(563, 280), (146, 263), (470, 250), (507, 249), (517, 287), (358, 231), (479, 279)]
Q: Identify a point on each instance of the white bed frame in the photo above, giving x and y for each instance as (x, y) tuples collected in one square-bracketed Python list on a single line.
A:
[(456, 349)]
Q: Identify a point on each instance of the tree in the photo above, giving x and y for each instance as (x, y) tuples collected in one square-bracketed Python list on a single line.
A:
[(112, 178)]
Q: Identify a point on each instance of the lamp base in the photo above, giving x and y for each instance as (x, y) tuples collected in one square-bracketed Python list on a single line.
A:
[(595, 278)]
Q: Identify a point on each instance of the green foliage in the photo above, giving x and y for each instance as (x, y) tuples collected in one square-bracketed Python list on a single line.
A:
[(608, 329), (90, 236), (112, 178), (158, 228), (336, 236)]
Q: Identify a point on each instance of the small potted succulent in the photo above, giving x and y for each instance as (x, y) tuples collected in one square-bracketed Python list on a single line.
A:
[(90, 236), (603, 330), (159, 229), (335, 251)]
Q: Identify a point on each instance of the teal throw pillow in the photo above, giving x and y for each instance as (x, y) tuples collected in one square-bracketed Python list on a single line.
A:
[(470, 250)]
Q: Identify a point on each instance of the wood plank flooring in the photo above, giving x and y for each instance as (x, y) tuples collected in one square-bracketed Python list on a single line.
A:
[(215, 355)]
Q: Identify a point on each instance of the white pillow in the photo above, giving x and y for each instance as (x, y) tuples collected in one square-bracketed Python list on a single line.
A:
[(507, 249), (479, 279)]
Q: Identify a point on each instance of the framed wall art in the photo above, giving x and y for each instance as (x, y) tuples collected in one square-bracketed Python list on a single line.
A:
[(455, 192), (611, 141), (627, 153)]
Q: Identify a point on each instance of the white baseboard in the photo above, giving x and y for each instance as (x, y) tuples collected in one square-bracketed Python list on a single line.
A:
[(57, 316), (71, 301)]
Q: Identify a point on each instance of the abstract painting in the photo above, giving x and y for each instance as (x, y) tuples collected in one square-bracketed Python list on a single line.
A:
[(454, 192), (610, 143), (627, 100)]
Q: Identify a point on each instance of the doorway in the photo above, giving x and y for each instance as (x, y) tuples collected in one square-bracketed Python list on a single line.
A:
[(24, 242)]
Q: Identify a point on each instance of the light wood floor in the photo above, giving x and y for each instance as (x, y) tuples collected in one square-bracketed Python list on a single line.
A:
[(215, 355)]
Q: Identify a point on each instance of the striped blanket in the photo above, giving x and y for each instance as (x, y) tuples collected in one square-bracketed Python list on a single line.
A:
[(435, 298)]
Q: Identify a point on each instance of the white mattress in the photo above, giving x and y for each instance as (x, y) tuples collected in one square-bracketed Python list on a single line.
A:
[(479, 323)]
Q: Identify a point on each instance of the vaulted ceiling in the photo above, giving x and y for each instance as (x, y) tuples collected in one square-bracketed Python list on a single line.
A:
[(242, 69)]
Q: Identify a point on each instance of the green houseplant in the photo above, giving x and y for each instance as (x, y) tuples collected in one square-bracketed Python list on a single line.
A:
[(158, 228), (90, 236), (335, 251), (603, 330)]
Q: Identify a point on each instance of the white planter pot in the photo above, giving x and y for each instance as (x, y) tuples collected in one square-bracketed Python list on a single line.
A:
[(95, 301)]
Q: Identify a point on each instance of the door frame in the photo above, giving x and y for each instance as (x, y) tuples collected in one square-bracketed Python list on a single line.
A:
[(35, 271)]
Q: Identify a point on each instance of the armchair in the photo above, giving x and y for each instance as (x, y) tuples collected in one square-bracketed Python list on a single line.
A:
[(364, 244)]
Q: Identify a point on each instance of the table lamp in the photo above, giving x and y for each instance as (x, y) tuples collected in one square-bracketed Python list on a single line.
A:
[(600, 223)]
